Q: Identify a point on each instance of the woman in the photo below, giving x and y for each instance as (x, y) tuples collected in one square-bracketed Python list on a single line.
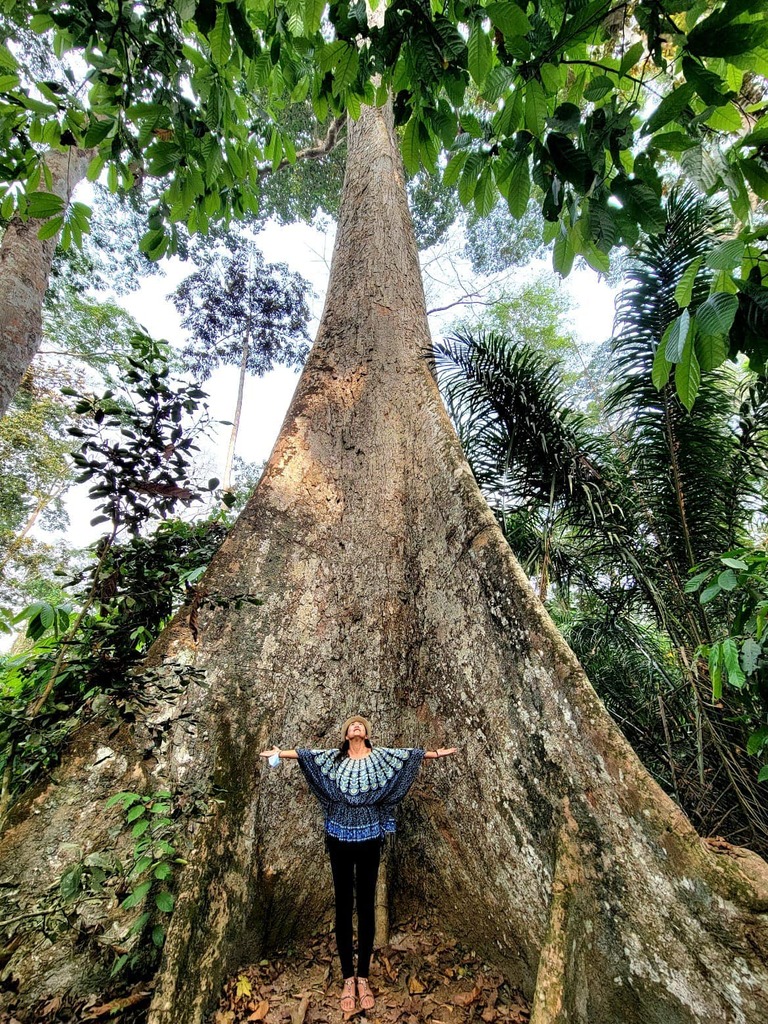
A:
[(358, 786)]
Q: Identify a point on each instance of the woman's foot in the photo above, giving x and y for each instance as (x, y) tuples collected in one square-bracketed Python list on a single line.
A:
[(348, 996), (367, 1002)]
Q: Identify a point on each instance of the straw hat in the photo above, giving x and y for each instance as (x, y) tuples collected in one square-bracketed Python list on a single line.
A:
[(356, 718)]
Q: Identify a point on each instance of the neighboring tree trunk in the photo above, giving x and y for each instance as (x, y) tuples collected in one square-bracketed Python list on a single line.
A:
[(18, 540), (25, 266), (388, 589), (226, 482)]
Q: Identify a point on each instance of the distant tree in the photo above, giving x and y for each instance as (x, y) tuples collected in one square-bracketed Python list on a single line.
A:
[(242, 312)]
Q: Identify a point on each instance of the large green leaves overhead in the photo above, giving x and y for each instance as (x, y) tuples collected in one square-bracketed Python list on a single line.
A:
[(522, 98)]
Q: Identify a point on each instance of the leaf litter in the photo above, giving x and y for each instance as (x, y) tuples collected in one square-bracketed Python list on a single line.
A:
[(421, 977)]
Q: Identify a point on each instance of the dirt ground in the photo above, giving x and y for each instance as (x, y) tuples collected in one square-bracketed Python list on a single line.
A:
[(421, 976)]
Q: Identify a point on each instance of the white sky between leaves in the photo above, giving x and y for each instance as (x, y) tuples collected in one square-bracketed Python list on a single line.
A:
[(308, 251)]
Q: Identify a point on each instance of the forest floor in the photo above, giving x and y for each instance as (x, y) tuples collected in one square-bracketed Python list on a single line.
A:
[(421, 976)]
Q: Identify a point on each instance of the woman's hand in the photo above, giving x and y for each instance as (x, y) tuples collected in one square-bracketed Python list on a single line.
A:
[(440, 752), (270, 753)]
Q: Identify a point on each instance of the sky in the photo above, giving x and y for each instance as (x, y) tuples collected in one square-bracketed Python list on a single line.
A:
[(308, 250)]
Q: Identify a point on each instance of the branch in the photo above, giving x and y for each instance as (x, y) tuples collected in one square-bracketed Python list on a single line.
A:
[(316, 152), (470, 300)]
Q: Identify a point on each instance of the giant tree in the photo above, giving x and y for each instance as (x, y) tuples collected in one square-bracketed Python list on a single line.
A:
[(387, 585)]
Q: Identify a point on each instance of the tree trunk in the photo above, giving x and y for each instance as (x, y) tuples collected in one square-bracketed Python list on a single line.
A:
[(25, 266), (226, 482), (388, 590)]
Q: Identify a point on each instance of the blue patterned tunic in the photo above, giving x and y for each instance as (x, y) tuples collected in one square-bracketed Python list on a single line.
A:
[(359, 795)]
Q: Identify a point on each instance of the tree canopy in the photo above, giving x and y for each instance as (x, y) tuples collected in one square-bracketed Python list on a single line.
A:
[(580, 105)]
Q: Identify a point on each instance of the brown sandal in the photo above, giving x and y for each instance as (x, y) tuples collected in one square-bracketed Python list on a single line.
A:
[(347, 1002), (367, 1002)]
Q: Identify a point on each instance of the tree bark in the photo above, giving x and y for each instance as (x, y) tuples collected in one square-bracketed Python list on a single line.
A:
[(388, 589), (25, 266)]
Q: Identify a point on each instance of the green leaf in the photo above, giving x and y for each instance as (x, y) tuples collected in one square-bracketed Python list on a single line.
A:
[(571, 163), (312, 14), (125, 798), (509, 18), (70, 884), (711, 351), (243, 32), (158, 935), (164, 901), (519, 188), (695, 582), (710, 38), (563, 253), (709, 593), (688, 374), (675, 336), (701, 168), (630, 58), (163, 870), (410, 147), (485, 192), (757, 176), (139, 828), (346, 68), (762, 775), (497, 83), (725, 119), (468, 180), (135, 897), (50, 228), (640, 202), (684, 289), (661, 367), (727, 580), (715, 671), (731, 659), (141, 865), (135, 812), (750, 656), (670, 108), (734, 563), (219, 37), (44, 204), (598, 88), (454, 168), (479, 53), (535, 108), (716, 315), (727, 255), (673, 142)]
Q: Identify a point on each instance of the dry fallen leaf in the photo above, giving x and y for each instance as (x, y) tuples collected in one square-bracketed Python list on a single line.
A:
[(467, 998), (261, 1011), (52, 1006), (414, 985)]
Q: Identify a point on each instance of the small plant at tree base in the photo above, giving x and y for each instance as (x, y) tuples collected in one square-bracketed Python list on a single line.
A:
[(137, 452), (154, 859), (738, 582)]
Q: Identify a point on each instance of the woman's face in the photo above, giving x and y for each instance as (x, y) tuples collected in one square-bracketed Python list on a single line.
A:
[(356, 731)]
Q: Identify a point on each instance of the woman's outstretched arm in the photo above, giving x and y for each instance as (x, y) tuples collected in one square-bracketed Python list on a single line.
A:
[(289, 754), (440, 752)]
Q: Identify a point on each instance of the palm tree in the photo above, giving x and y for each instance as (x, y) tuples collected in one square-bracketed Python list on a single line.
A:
[(611, 520)]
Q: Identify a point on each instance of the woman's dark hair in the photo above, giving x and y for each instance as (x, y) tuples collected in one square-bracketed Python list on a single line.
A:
[(344, 748)]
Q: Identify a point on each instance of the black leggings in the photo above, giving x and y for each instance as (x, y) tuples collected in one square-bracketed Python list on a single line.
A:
[(355, 868)]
